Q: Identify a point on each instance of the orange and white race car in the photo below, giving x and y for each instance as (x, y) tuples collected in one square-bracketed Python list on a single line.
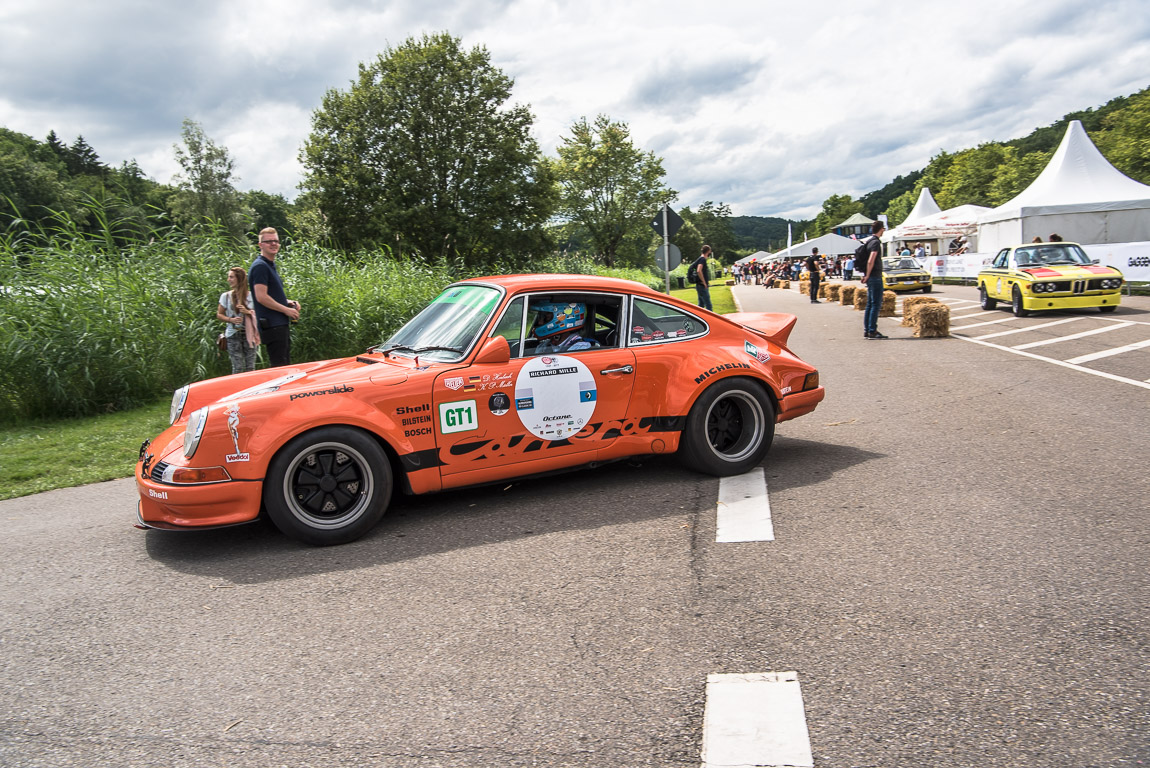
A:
[(496, 378)]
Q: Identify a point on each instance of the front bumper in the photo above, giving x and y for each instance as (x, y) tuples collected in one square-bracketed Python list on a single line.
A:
[(914, 285), (182, 507), (1040, 301)]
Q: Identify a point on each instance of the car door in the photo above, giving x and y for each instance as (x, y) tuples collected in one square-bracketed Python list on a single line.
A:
[(535, 413)]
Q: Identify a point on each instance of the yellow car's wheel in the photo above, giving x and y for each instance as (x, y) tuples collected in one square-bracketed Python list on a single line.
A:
[(1016, 303)]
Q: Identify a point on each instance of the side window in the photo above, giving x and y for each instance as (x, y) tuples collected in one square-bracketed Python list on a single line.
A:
[(510, 326), (654, 323), (559, 323), (1000, 260)]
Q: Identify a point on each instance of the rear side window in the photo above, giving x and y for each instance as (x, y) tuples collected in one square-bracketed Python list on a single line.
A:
[(655, 323)]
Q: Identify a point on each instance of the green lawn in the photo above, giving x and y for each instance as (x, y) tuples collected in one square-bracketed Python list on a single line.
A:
[(44, 455)]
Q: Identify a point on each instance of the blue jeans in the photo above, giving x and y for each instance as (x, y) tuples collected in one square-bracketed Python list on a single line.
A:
[(704, 293), (873, 304)]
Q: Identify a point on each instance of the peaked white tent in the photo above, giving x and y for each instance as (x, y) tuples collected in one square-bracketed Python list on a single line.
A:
[(1079, 195), (923, 207), (829, 244)]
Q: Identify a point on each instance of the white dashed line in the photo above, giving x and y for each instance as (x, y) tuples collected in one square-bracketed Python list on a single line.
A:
[(744, 511), (1109, 352), (1027, 328), (1064, 364), (1073, 336), (979, 325), (755, 721)]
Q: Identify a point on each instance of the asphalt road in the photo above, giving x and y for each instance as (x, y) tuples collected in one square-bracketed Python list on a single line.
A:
[(959, 578)]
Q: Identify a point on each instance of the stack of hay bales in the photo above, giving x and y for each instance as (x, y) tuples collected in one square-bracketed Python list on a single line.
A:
[(785, 284), (805, 287), (888, 301), (833, 291), (910, 305), (847, 295), (860, 298), (931, 321)]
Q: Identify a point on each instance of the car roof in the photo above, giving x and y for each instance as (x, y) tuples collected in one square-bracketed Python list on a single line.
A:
[(546, 282)]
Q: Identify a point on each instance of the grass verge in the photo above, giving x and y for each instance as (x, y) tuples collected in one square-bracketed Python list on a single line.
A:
[(45, 455)]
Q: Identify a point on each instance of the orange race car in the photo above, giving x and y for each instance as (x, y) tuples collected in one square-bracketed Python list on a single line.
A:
[(498, 377)]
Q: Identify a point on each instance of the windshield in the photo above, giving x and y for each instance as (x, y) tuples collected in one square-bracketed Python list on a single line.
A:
[(892, 264), (448, 326), (1051, 253)]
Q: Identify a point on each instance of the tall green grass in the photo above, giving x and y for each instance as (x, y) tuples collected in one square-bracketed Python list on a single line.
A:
[(89, 326)]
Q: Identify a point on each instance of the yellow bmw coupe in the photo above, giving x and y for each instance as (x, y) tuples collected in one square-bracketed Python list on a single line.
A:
[(1041, 276)]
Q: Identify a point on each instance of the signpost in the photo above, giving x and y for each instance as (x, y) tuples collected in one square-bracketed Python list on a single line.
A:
[(667, 223)]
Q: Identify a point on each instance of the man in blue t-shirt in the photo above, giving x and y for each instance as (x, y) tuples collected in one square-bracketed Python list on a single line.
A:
[(274, 312), (871, 271), (702, 280)]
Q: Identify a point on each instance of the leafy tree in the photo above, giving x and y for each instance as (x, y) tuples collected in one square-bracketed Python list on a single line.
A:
[(610, 188), (1125, 140), (205, 189), (423, 154), (971, 174), (713, 222), (32, 190), (1015, 173), (81, 159), (268, 210), (900, 207), (836, 210)]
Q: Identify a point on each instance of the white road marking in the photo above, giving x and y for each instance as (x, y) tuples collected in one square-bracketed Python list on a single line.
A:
[(1109, 352), (1072, 366), (755, 721), (744, 511), (1073, 336), (1027, 328), (1006, 319), (979, 314)]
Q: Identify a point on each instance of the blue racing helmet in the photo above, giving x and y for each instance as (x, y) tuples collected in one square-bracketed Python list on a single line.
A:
[(552, 318)]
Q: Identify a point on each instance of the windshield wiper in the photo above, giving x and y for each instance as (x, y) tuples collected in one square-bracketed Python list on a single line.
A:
[(386, 350), (421, 350)]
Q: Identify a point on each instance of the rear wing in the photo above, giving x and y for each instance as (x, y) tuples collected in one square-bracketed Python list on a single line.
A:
[(776, 326)]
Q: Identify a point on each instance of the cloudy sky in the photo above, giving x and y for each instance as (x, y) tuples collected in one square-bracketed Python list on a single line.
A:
[(770, 107)]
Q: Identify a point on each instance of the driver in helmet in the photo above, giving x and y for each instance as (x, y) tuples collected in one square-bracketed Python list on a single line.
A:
[(557, 326)]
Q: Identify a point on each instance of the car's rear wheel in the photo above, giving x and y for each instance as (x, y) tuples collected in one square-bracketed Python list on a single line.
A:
[(328, 486), (984, 299), (729, 429), (1108, 308), (1016, 303)]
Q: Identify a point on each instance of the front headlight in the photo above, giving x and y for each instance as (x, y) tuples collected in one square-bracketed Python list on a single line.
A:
[(194, 431), (179, 397)]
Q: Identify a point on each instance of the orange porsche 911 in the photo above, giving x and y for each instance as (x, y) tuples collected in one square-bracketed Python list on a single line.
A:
[(497, 378)]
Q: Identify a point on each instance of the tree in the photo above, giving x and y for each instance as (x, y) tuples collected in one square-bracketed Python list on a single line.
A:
[(422, 154), (713, 221), (205, 189), (268, 210), (836, 210), (610, 188), (1125, 140)]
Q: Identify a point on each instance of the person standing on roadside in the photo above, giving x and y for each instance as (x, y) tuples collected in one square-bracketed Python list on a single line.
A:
[(871, 271), (274, 312), (702, 285), (235, 309), (813, 269)]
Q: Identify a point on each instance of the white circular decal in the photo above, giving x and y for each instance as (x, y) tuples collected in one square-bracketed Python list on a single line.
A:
[(554, 396)]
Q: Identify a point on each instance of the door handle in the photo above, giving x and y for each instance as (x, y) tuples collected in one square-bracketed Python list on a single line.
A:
[(624, 369)]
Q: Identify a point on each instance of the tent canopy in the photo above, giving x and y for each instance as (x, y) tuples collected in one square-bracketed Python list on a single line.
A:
[(829, 245), (925, 206), (952, 222), (1079, 195)]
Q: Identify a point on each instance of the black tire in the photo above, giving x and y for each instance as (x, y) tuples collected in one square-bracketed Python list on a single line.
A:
[(729, 429), (1016, 303), (1108, 308), (328, 486), (984, 299), (928, 289)]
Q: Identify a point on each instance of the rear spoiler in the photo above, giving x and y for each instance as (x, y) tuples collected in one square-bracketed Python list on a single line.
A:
[(776, 326)]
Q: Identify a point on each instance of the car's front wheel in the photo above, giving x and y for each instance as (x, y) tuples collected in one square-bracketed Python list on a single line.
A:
[(984, 299), (729, 429), (328, 486), (928, 288), (1016, 303), (1108, 308)]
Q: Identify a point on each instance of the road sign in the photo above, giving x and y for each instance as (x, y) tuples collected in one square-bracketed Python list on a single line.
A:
[(674, 221), (661, 258)]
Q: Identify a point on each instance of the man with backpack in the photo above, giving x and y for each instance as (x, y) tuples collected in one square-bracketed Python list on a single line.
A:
[(868, 262), (697, 274)]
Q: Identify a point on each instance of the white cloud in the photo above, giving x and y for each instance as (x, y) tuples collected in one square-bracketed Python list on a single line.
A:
[(768, 108)]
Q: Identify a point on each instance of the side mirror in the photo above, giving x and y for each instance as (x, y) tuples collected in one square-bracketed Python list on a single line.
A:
[(1094, 261), (495, 351)]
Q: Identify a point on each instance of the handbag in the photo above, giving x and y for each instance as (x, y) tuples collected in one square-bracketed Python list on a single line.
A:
[(222, 342)]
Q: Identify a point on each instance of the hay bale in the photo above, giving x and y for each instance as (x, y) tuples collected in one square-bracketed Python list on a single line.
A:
[(847, 295), (888, 301), (908, 307), (786, 284), (932, 321), (860, 298), (805, 287), (833, 291)]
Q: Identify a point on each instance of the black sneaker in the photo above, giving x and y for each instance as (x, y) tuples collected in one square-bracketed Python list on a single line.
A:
[(877, 335)]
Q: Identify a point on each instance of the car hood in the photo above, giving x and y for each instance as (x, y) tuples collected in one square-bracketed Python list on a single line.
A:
[(332, 374), (1073, 271)]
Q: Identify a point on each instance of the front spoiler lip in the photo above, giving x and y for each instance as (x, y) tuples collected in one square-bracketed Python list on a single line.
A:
[(145, 525)]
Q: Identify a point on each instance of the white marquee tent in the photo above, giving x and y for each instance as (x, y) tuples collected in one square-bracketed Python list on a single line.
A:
[(1079, 195), (923, 207), (962, 220), (829, 244)]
